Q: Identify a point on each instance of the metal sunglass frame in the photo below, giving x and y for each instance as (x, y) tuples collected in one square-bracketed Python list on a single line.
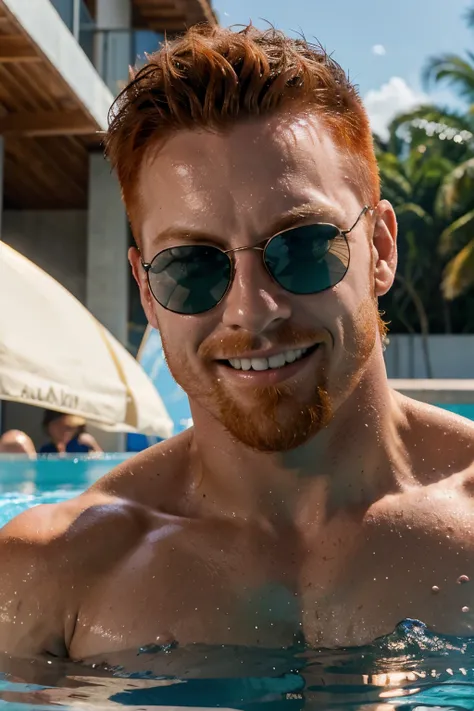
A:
[(261, 247)]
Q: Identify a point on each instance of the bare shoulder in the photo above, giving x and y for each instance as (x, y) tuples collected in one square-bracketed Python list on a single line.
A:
[(435, 497), (49, 555), (440, 443)]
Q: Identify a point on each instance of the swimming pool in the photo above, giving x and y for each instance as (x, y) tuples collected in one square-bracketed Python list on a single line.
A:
[(411, 669)]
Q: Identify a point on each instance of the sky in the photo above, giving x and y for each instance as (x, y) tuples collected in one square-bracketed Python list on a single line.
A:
[(384, 44)]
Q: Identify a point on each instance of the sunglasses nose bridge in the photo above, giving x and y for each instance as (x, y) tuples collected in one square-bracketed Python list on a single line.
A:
[(254, 301), (247, 248), (257, 247)]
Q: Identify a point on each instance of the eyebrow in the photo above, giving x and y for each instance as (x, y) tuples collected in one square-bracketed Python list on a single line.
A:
[(291, 218), (324, 213)]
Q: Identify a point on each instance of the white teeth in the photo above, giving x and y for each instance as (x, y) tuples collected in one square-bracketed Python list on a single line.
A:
[(277, 361), (274, 361), (259, 363)]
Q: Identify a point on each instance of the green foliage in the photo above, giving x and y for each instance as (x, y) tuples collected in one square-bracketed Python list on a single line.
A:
[(427, 173)]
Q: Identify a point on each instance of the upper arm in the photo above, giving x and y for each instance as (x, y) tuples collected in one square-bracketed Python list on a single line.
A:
[(31, 605), (88, 440)]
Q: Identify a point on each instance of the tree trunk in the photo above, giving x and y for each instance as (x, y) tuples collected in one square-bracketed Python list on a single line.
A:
[(423, 319), (448, 328)]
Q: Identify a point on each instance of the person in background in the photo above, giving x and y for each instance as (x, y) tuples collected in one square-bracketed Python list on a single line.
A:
[(17, 442), (67, 435)]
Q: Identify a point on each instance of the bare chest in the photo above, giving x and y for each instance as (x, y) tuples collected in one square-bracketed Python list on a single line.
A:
[(340, 590)]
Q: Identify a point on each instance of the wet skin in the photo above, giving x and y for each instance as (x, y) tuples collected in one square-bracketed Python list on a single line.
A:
[(205, 539)]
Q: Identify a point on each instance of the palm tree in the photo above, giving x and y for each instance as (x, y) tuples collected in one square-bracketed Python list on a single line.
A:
[(420, 170), (455, 198), (456, 71)]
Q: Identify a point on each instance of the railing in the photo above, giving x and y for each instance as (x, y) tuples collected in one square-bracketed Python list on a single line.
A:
[(74, 14), (116, 50), (111, 51)]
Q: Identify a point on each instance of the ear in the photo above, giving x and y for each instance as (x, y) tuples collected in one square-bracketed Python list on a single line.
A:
[(384, 247), (140, 276)]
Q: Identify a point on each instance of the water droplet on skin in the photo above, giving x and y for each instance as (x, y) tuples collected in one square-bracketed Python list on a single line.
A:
[(465, 609), (435, 589), (462, 579)]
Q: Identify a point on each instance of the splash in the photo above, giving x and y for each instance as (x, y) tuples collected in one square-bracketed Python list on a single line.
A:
[(412, 669)]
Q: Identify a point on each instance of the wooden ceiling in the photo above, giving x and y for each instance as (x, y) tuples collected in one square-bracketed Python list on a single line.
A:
[(171, 15), (47, 131), (48, 134)]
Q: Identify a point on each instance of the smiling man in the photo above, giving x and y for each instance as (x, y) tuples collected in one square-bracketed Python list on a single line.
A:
[(308, 500)]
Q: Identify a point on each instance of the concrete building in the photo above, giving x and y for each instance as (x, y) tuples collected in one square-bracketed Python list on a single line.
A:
[(62, 62)]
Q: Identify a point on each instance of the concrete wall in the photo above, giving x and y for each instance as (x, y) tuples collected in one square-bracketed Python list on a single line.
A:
[(55, 240), (451, 356), (107, 246), (113, 15)]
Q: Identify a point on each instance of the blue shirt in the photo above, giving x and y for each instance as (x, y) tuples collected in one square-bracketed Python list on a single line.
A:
[(72, 447)]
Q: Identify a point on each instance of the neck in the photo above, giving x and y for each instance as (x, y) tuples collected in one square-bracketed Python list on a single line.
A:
[(357, 459)]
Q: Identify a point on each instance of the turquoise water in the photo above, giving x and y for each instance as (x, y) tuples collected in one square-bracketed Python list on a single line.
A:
[(410, 670), (463, 410), (48, 480)]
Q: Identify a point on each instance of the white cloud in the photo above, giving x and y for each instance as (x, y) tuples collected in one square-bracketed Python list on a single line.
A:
[(379, 49), (394, 97)]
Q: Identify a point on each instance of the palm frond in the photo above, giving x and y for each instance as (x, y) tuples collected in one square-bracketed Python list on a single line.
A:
[(454, 70), (469, 17), (411, 208), (450, 188), (395, 184), (457, 233), (430, 114), (459, 273)]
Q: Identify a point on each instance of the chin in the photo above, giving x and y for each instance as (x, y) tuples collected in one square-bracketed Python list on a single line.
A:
[(277, 422)]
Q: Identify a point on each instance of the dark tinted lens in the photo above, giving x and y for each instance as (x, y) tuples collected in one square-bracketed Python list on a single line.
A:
[(191, 279), (308, 259)]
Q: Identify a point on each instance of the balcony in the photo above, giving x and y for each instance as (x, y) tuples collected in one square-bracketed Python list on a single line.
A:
[(110, 51), (114, 51), (53, 109)]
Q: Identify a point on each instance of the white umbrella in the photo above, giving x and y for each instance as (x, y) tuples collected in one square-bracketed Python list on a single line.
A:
[(55, 354)]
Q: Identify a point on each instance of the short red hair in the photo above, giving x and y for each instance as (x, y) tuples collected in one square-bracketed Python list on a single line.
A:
[(212, 77)]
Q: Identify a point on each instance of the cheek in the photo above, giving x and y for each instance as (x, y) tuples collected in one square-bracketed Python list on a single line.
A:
[(181, 337), (360, 276)]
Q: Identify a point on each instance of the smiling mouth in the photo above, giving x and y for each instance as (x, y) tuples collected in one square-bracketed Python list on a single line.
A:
[(274, 362)]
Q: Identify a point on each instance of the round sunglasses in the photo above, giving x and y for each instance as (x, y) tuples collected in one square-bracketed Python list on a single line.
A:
[(308, 259)]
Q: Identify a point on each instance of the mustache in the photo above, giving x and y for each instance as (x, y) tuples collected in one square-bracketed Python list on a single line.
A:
[(286, 336)]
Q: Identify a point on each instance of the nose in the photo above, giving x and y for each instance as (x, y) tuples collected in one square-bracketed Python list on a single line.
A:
[(254, 303)]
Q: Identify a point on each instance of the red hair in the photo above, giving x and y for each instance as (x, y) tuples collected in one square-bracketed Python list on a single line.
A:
[(212, 77)]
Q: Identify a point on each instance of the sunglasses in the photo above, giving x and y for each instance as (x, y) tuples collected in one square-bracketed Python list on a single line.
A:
[(308, 259)]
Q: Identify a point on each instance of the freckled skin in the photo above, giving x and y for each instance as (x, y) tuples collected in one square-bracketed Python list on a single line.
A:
[(204, 539)]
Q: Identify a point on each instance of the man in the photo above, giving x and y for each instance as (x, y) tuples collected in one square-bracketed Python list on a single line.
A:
[(17, 442), (308, 500)]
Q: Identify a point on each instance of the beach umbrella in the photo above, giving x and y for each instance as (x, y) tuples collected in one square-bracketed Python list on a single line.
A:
[(54, 354)]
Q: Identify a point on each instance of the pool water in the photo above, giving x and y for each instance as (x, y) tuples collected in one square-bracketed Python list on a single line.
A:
[(411, 669)]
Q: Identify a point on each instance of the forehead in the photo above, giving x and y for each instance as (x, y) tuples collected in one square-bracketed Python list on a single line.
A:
[(235, 183)]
